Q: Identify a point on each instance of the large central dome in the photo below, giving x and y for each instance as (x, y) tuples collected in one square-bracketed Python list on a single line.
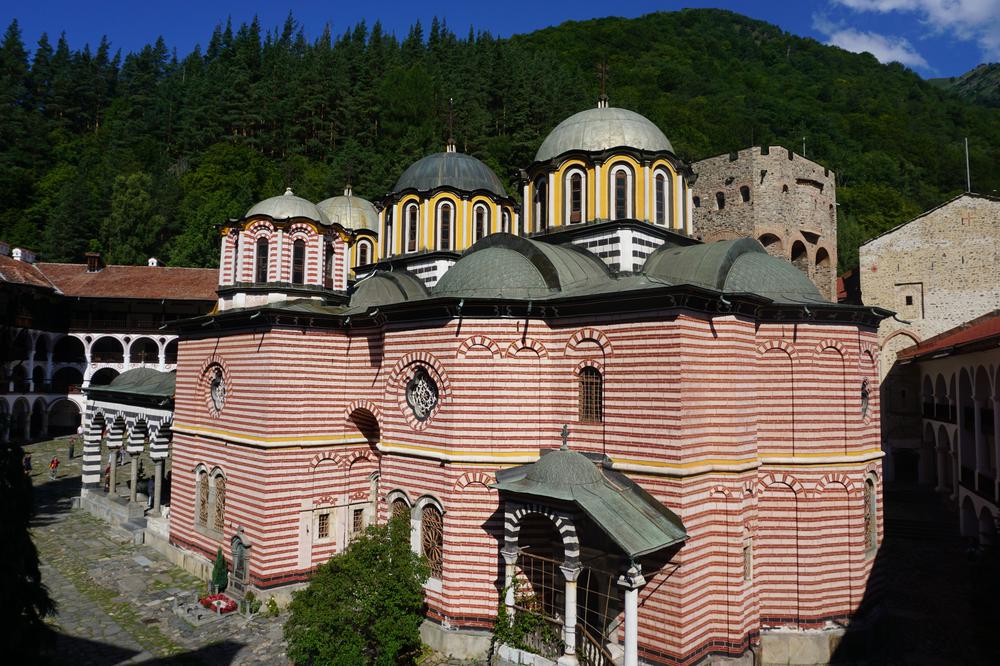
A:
[(599, 129), (454, 170)]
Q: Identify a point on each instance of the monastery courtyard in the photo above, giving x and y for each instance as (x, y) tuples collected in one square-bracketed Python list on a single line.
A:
[(116, 599)]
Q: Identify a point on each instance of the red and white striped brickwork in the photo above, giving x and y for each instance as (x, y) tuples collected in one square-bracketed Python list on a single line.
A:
[(752, 434), (237, 260)]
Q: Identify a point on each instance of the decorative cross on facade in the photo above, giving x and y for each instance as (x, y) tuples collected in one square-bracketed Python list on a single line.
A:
[(602, 76), (451, 124)]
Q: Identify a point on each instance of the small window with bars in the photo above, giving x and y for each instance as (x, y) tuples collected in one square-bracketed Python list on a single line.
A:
[(357, 521), (591, 395), (323, 526)]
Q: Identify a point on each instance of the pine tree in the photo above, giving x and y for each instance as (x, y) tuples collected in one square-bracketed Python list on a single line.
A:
[(220, 574)]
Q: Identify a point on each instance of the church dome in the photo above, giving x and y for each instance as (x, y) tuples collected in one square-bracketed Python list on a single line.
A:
[(599, 129), (562, 469), (457, 171), (350, 212), (286, 207), (386, 287), (510, 267)]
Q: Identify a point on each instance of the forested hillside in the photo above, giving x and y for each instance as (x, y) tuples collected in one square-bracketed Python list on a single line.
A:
[(981, 84), (144, 154)]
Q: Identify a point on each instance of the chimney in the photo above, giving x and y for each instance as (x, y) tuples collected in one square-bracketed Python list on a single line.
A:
[(24, 254), (153, 261), (94, 262)]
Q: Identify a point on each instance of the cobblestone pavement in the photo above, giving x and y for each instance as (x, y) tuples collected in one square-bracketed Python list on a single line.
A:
[(116, 600)]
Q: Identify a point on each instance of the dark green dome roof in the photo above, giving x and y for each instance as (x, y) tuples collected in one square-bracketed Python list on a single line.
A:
[(385, 287), (733, 266), (457, 171), (506, 266)]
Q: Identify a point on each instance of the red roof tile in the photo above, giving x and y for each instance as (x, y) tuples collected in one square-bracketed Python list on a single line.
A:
[(970, 334), (21, 272), (149, 282)]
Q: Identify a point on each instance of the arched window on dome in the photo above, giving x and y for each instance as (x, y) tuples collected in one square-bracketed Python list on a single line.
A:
[(364, 253), (505, 222), (388, 236), (260, 272), (412, 227), (330, 267), (663, 209), (236, 258), (576, 202), (621, 192), (541, 204), (298, 261), (481, 215), (445, 225)]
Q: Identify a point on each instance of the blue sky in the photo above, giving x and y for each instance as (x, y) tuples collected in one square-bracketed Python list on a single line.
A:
[(933, 37)]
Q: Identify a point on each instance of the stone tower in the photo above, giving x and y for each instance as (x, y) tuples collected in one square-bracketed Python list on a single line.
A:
[(782, 199)]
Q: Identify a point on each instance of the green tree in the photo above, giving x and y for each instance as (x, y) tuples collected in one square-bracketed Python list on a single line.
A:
[(25, 599), (364, 606), (131, 231), (220, 573)]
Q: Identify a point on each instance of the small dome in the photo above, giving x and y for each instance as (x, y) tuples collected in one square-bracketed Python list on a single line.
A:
[(506, 266), (733, 266), (385, 287), (350, 211), (455, 170), (599, 129), (564, 468), (286, 207)]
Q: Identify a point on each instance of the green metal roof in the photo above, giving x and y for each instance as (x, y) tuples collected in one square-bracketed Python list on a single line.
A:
[(629, 515), (287, 206), (733, 266), (602, 128), (458, 171), (385, 287), (140, 381)]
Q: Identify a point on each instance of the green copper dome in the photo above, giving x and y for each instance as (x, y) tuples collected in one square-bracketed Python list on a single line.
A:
[(385, 287), (350, 211), (457, 171), (286, 207), (600, 129)]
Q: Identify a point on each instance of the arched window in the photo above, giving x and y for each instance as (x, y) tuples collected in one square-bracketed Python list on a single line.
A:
[(203, 498), (663, 210), (412, 227), (505, 222), (328, 281), (621, 193), (364, 254), (720, 200), (236, 258), (745, 193), (298, 261), (482, 225), (399, 509), (574, 197), (871, 516), (387, 236), (541, 204), (432, 538), (260, 274), (445, 217), (219, 515), (591, 395)]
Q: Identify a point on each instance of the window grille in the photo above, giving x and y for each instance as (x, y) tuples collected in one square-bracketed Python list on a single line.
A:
[(203, 498), (432, 539), (260, 273), (661, 195), (363, 259), (444, 227), (357, 521), (621, 194), (298, 261), (220, 502), (411, 228), (323, 526), (591, 396), (575, 197), (400, 509)]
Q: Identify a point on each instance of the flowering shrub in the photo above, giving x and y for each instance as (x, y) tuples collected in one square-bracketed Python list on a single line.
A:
[(219, 603)]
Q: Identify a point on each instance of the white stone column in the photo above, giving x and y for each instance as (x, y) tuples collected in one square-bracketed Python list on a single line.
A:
[(569, 616), (525, 211), (510, 560), (646, 187), (91, 465), (551, 222), (597, 191), (632, 580)]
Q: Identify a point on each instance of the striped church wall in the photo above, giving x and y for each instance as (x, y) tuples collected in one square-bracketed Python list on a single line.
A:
[(749, 442)]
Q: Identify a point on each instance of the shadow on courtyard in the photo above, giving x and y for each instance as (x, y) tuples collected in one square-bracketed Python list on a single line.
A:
[(931, 599), (65, 649)]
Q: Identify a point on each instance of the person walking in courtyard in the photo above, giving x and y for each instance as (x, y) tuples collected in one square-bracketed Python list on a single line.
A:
[(53, 467), (27, 464)]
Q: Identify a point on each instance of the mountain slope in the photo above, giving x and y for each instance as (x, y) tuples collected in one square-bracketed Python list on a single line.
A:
[(980, 85)]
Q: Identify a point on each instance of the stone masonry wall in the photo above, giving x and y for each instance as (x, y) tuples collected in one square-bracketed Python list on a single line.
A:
[(782, 199)]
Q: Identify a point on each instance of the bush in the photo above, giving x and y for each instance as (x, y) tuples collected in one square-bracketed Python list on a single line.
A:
[(220, 574), (364, 606), (272, 608)]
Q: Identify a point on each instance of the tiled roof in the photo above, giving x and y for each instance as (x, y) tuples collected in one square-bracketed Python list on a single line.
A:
[(151, 282), (21, 272), (971, 336)]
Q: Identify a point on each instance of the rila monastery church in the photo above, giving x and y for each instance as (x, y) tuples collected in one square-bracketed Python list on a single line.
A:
[(628, 395)]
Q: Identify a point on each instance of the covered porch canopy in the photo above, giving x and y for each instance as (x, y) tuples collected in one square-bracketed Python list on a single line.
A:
[(569, 488)]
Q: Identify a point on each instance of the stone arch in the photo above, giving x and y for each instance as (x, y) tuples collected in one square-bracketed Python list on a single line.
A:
[(589, 334), (103, 377), (823, 272), (170, 352), (983, 389), (777, 561), (835, 478), (69, 349), (20, 419), (776, 398), (367, 424), (39, 419), (107, 349), (65, 379), (41, 347), (563, 523), (21, 346), (64, 417), (527, 343), (772, 243), (832, 356), (470, 478), (425, 358), (799, 256), (144, 350), (479, 342), (783, 345)]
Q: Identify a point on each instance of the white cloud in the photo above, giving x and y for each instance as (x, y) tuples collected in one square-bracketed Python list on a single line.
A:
[(966, 20), (885, 48)]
